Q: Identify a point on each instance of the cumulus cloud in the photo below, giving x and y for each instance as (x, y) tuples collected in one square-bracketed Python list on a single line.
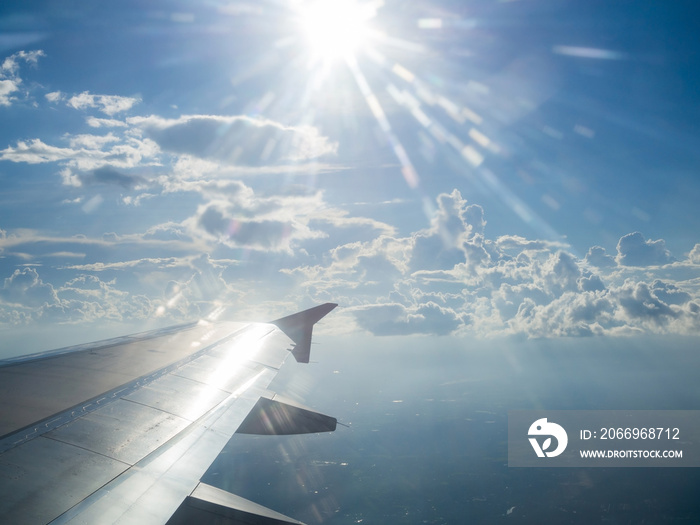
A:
[(508, 285), (25, 288), (569, 315), (670, 293), (640, 302), (259, 233), (597, 256), (448, 277), (113, 157), (181, 288), (197, 294), (454, 225), (85, 298), (634, 250), (237, 140), (233, 215), (253, 223), (694, 255)]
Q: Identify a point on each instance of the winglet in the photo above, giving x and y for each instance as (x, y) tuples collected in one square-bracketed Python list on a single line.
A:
[(299, 326)]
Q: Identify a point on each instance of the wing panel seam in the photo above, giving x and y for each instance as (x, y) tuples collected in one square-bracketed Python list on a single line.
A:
[(59, 419)]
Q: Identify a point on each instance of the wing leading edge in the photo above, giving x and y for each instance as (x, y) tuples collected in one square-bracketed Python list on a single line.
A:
[(122, 431)]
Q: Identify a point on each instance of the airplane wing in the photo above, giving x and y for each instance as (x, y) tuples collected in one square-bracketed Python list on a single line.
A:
[(121, 431)]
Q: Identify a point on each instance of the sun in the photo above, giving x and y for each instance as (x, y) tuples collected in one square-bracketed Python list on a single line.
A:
[(335, 29)]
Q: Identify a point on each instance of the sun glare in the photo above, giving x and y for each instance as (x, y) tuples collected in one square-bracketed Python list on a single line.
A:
[(336, 29)]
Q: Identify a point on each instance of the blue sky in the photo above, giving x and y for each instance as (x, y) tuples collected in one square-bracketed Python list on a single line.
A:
[(521, 168)]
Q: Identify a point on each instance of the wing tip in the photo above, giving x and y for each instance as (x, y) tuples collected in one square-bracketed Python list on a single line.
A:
[(299, 328)]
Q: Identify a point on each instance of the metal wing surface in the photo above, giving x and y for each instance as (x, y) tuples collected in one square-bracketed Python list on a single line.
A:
[(121, 431)]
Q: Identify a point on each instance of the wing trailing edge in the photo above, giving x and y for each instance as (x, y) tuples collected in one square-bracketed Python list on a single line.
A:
[(299, 327)]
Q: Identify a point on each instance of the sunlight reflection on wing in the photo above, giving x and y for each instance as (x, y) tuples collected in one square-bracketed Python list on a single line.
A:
[(242, 349), (237, 355)]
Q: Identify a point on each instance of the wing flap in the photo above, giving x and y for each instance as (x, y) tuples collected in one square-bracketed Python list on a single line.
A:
[(279, 416), (210, 505)]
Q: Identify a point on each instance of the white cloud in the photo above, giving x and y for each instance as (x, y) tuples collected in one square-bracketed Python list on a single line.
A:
[(87, 156), (634, 250), (85, 298), (454, 225), (25, 288), (233, 215), (7, 87), (694, 255), (235, 140), (446, 278), (54, 96), (396, 319), (504, 286), (10, 65), (597, 256), (35, 152), (108, 104), (127, 265), (254, 224), (86, 153), (92, 142), (95, 122), (9, 79), (571, 314)]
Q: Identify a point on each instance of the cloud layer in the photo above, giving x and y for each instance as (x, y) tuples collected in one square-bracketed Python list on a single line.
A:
[(176, 231), (450, 278)]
